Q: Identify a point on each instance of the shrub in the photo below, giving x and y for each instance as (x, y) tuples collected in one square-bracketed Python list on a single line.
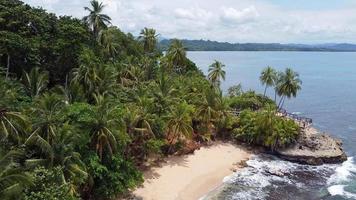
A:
[(250, 100), (266, 129)]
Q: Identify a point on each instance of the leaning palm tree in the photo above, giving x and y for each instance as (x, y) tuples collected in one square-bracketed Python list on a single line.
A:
[(96, 20), (35, 82), (268, 78), (177, 55), (288, 85), (149, 39), (216, 73)]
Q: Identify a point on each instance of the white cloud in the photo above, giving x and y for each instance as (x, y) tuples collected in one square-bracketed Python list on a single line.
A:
[(232, 15), (223, 20)]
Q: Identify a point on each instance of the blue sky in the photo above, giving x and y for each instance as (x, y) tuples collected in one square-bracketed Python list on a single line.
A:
[(284, 21)]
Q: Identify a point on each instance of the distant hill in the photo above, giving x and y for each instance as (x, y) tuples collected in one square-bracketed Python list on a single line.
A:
[(207, 45)]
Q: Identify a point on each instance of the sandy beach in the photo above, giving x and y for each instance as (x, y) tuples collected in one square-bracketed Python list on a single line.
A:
[(190, 177)]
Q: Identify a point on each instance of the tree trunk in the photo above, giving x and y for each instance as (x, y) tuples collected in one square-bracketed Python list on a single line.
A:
[(283, 102), (280, 101), (275, 96), (264, 94), (7, 66)]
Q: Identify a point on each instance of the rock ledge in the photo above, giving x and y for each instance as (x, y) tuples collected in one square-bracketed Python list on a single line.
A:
[(314, 148)]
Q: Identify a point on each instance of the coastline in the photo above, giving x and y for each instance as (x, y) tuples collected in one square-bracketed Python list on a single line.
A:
[(192, 176)]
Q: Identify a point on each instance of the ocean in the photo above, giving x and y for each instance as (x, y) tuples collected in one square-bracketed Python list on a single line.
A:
[(328, 96)]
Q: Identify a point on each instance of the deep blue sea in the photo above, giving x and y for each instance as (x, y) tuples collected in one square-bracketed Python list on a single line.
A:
[(328, 96)]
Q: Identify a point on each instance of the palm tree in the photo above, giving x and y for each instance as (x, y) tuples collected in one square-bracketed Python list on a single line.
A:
[(268, 78), (96, 20), (60, 153), (13, 179), (34, 82), (105, 127), (106, 39), (12, 124), (177, 55), (149, 39), (47, 111), (180, 122), (216, 73), (288, 85)]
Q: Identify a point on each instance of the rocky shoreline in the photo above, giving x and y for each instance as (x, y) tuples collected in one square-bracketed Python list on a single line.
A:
[(314, 148)]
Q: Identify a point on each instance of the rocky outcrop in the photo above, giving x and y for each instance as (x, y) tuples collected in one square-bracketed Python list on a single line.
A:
[(314, 148)]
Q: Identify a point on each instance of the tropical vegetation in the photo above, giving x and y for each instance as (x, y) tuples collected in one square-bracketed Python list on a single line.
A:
[(83, 105)]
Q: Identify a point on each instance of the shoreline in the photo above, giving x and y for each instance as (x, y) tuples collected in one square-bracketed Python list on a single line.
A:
[(191, 177)]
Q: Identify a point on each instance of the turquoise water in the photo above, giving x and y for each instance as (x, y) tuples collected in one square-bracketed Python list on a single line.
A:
[(328, 96)]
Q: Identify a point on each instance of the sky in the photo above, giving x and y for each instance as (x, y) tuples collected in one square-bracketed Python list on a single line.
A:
[(238, 21)]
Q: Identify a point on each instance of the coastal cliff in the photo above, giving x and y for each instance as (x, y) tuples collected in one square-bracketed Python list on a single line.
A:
[(314, 148)]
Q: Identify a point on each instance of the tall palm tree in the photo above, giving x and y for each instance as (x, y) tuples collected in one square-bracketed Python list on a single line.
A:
[(96, 20), (288, 85), (35, 82), (149, 38), (268, 78), (177, 55), (216, 73)]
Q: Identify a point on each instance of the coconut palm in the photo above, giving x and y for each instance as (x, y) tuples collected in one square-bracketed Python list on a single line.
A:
[(105, 127), (60, 153), (12, 124), (47, 110), (96, 20), (149, 39), (268, 78), (106, 39), (13, 179), (216, 73), (177, 55), (180, 122), (288, 85), (34, 82)]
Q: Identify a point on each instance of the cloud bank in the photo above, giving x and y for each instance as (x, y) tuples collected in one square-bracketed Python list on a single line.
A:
[(226, 20)]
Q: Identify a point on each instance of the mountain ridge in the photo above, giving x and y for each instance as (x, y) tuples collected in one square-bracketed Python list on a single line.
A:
[(208, 45)]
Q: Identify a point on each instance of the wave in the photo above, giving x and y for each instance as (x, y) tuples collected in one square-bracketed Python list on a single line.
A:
[(343, 173), (265, 172), (343, 176), (340, 190)]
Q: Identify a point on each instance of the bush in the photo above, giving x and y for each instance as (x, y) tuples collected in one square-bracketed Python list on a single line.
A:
[(49, 185), (250, 100), (112, 178), (266, 129)]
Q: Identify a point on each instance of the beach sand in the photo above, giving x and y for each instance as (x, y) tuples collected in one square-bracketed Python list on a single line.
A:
[(190, 177)]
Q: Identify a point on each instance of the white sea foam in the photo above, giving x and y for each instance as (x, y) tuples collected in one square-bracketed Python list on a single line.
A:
[(343, 173), (340, 190)]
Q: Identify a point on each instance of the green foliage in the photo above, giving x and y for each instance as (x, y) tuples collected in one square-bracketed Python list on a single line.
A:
[(112, 178), (49, 184), (250, 100), (266, 128), (235, 90)]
